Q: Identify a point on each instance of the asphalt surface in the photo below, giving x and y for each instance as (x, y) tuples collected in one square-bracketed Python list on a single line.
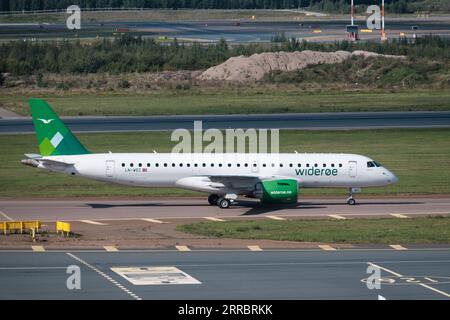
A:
[(295, 274), (315, 121), (74, 210), (246, 32)]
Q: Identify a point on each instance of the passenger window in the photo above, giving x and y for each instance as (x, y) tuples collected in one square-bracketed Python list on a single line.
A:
[(316, 165), (255, 165), (324, 165), (281, 165), (148, 165), (220, 165), (188, 165), (238, 165), (181, 164), (140, 165), (157, 165), (204, 165), (229, 165), (332, 165), (173, 164), (264, 165), (340, 165), (246, 165), (196, 165), (299, 165), (165, 164), (123, 164), (131, 165), (212, 164), (290, 165)]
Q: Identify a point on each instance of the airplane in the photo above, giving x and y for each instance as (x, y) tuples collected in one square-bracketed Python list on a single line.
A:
[(271, 177)]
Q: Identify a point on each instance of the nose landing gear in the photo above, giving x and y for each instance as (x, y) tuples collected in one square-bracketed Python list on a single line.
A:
[(350, 200)]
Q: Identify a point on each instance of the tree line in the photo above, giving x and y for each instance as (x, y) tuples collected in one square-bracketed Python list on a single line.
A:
[(341, 6), (134, 54)]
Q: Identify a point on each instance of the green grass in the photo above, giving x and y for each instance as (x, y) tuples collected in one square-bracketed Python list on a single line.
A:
[(359, 231), (245, 101), (420, 158)]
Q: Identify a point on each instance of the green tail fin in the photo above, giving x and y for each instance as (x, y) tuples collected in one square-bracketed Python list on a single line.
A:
[(54, 138)]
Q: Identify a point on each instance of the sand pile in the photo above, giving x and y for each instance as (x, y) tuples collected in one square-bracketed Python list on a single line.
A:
[(255, 67)]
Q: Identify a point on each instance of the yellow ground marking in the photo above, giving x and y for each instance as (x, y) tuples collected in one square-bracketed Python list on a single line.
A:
[(327, 247), (94, 222), (276, 218), (153, 220), (111, 248), (336, 216), (182, 248), (38, 248), (397, 247), (398, 215), (214, 219), (254, 248)]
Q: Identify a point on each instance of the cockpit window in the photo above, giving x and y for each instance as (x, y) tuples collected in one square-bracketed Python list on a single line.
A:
[(373, 164)]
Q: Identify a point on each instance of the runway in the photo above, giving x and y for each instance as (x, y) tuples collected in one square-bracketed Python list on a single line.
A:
[(289, 274), (244, 32), (303, 121), (164, 209)]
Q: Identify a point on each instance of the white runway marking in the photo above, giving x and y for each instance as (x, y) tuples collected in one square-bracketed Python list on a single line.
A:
[(420, 284), (397, 247), (94, 222), (254, 248), (398, 215), (276, 218), (38, 248), (153, 220), (146, 276), (336, 216), (214, 219), (183, 248), (327, 247), (6, 216), (105, 276), (111, 248)]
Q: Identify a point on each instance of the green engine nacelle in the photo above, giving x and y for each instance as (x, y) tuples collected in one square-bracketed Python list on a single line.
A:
[(278, 191)]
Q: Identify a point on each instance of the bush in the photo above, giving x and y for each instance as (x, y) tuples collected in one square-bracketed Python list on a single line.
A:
[(40, 80), (124, 84)]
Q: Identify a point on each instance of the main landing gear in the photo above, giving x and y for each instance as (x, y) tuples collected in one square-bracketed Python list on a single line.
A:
[(221, 202), (212, 199)]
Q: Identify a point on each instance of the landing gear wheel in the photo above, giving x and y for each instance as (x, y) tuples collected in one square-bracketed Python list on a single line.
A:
[(351, 201), (212, 199), (223, 203)]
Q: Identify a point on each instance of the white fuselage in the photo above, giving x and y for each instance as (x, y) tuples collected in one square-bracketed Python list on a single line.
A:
[(191, 171)]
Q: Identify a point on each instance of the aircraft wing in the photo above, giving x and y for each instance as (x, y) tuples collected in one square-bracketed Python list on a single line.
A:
[(242, 184)]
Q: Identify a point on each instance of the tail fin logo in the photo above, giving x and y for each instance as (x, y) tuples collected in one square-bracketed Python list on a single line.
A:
[(46, 121)]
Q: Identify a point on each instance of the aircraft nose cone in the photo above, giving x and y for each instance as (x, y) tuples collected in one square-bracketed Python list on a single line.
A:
[(393, 178)]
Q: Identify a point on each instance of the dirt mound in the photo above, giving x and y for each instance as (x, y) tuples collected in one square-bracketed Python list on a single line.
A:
[(255, 67)]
